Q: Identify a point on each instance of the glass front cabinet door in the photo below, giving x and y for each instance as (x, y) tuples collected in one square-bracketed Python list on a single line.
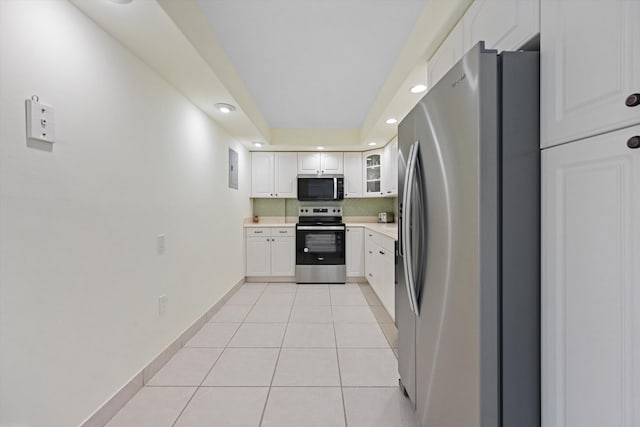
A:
[(373, 172)]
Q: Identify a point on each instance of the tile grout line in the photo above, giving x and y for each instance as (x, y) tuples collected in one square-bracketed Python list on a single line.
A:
[(335, 337), (275, 367), (198, 387)]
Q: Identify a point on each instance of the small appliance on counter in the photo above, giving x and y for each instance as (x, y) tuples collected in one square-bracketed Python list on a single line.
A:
[(385, 217)]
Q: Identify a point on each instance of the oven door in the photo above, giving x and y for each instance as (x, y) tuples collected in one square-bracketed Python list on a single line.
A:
[(320, 245)]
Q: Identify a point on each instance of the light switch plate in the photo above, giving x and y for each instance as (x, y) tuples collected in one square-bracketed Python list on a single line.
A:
[(40, 121)]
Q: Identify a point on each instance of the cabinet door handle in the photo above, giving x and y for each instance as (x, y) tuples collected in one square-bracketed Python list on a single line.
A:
[(632, 100), (276, 194), (258, 232), (271, 194), (370, 252), (634, 142), (370, 275), (282, 232), (381, 253)]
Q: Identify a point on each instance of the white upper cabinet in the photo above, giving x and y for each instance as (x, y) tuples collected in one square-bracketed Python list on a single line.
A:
[(590, 66), (262, 172), (390, 168), (352, 174), (331, 163), (449, 52), (286, 175), (320, 163), (501, 24), (308, 163), (372, 172), (590, 292), (273, 174)]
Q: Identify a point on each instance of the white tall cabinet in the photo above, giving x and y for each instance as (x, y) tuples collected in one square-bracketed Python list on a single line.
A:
[(591, 282), (590, 62), (590, 65)]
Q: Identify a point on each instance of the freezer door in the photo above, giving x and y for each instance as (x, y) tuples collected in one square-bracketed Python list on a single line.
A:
[(405, 316), (457, 366)]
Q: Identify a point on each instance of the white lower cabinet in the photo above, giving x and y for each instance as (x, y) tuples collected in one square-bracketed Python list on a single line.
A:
[(355, 251), (270, 251), (590, 292), (258, 256), (379, 261)]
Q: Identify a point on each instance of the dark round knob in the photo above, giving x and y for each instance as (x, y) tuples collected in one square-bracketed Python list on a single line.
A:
[(634, 142), (632, 100)]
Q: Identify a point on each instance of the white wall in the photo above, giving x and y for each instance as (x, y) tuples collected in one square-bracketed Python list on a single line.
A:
[(79, 272)]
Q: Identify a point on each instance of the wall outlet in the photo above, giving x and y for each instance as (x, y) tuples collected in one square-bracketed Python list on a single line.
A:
[(161, 243), (40, 121), (162, 304)]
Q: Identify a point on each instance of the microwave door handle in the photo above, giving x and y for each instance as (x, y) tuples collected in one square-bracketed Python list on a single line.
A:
[(406, 227), (335, 188)]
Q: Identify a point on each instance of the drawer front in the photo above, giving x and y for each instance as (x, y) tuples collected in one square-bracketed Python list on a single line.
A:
[(383, 241), (386, 243), (258, 231), (283, 231)]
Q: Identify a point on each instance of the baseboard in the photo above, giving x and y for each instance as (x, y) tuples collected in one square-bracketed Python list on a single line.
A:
[(120, 398), (270, 279)]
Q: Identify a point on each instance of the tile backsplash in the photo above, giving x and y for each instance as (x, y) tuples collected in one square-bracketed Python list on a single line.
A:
[(350, 207)]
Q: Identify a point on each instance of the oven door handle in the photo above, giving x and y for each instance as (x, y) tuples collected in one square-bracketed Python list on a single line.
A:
[(321, 227)]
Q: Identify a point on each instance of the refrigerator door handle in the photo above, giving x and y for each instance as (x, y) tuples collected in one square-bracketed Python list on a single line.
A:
[(406, 226)]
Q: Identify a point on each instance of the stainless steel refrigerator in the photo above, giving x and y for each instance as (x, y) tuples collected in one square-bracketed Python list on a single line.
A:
[(468, 274)]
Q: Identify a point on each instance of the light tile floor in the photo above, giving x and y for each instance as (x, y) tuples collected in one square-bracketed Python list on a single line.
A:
[(282, 355)]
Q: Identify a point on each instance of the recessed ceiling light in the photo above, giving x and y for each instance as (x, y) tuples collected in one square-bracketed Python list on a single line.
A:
[(121, 1), (418, 89), (258, 144), (320, 148), (371, 144), (225, 108), (391, 121)]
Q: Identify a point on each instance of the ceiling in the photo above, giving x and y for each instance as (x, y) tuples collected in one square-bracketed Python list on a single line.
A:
[(301, 73), (309, 63)]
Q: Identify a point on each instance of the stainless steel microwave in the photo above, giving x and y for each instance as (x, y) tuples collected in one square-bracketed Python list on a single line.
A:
[(320, 188)]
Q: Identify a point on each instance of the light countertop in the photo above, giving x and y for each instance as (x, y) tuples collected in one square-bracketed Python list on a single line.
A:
[(389, 230)]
